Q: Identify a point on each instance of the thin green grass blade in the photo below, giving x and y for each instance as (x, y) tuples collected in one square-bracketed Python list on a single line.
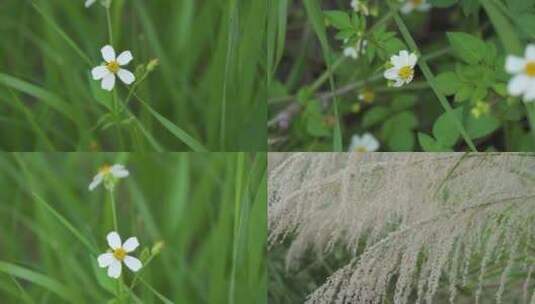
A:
[(315, 15), (175, 130), (31, 119), (37, 279), (63, 35), (67, 224), (47, 97), (156, 293)]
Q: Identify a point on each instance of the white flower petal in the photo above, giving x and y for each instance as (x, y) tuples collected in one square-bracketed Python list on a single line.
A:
[(407, 8), (126, 76), (114, 240), (108, 53), (518, 85), (132, 263), (350, 52), (412, 59), (114, 270), (514, 64), (370, 142), (355, 141), (530, 52), (392, 74), (130, 244), (424, 7), (398, 83), (99, 72), (529, 96), (119, 171), (404, 58), (88, 3), (108, 82), (96, 181), (105, 259), (124, 58)]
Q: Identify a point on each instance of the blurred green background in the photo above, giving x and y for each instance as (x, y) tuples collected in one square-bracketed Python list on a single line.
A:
[(208, 208), (209, 85)]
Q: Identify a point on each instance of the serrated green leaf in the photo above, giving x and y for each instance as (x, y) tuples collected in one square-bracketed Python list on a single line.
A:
[(467, 47), (448, 83)]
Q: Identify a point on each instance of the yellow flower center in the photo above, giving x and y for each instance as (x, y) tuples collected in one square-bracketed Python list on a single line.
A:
[(416, 2), (119, 253), (360, 149), (530, 68), (405, 72), (113, 66), (105, 170)]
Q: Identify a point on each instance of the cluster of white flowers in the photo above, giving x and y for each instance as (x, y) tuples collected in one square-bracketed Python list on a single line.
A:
[(523, 69), (118, 252)]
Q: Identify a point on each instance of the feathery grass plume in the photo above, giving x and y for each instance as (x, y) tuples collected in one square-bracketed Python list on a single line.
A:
[(425, 222)]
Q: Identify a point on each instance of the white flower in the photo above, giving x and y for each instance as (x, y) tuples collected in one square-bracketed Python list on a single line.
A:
[(118, 253), (419, 5), (360, 7), (523, 83), (364, 143), (112, 67), (355, 51), (108, 174), (88, 3), (402, 70)]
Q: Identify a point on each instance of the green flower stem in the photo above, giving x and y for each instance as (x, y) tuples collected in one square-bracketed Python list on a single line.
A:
[(113, 211), (430, 78), (136, 276), (108, 20)]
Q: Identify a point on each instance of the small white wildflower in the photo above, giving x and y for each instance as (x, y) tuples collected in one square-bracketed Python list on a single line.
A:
[(112, 67), (118, 254), (108, 174), (402, 70), (356, 50), (358, 6), (523, 69), (88, 3), (364, 143), (419, 5)]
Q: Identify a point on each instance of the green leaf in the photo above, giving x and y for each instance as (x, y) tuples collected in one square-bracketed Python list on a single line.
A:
[(442, 3), (464, 93), (469, 48), (444, 128), (397, 131), (429, 144), (447, 83), (374, 116), (401, 140), (482, 126), (338, 19), (403, 102)]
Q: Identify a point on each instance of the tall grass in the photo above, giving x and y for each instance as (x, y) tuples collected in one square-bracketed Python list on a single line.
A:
[(208, 92), (208, 209)]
